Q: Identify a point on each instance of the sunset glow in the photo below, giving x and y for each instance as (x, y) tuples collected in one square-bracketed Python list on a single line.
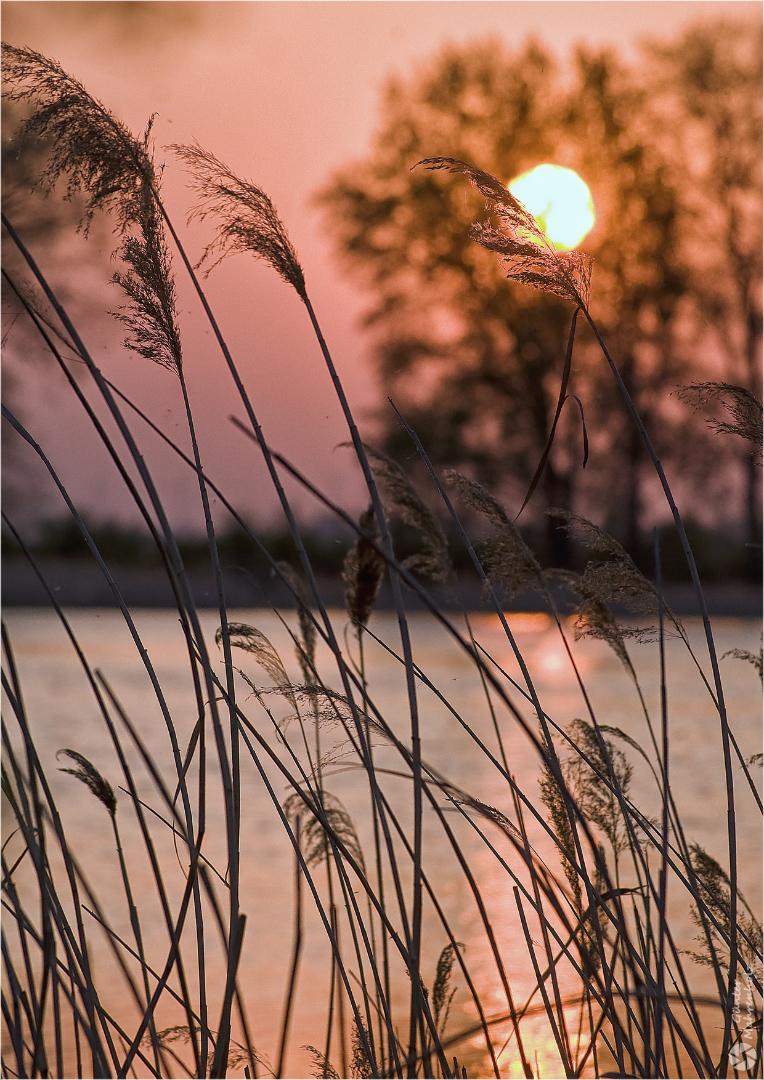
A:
[(559, 200)]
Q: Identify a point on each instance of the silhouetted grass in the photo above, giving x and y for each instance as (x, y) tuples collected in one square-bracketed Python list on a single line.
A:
[(600, 910)]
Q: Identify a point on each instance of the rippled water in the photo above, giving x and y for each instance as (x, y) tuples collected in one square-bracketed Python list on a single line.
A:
[(63, 714)]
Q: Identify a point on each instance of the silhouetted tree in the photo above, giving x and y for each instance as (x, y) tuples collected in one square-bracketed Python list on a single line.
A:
[(475, 361), (711, 106)]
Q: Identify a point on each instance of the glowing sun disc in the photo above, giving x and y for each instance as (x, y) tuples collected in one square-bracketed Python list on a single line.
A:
[(559, 200)]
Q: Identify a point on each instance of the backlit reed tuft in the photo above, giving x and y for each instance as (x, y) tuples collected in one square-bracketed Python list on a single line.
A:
[(442, 994), (756, 660), (559, 818), (94, 150), (90, 776), (510, 565), (361, 1066), (433, 560), (595, 800), (151, 315), (363, 571), (616, 581), (247, 218), (238, 1055), (524, 250), (102, 158), (745, 408), (315, 839), (322, 1066), (716, 885), (254, 641)]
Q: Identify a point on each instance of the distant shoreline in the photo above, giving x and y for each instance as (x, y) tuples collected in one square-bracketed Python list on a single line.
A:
[(78, 584)]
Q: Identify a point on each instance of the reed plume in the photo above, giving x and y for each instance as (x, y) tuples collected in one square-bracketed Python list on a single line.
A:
[(89, 145), (314, 836), (442, 993), (744, 407), (433, 560), (322, 1066), (615, 581), (596, 801), (716, 888), (525, 253), (115, 170), (510, 565), (90, 776), (151, 315), (363, 571), (247, 217), (254, 641), (756, 660), (559, 817)]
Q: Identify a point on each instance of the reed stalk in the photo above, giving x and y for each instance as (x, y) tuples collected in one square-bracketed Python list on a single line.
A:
[(587, 864)]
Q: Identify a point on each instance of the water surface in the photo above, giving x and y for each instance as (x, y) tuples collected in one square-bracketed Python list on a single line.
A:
[(64, 714)]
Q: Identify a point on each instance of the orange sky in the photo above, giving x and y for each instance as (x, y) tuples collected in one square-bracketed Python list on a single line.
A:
[(285, 93)]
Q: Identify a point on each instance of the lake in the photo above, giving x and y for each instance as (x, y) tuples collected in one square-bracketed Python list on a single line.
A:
[(63, 714)]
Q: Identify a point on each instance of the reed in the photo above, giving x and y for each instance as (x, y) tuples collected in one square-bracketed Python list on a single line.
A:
[(611, 980)]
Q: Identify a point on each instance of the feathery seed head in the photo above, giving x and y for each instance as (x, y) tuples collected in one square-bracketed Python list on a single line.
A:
[(587, 533), (756, 660), (596, 801), (89, 145), (716, 885), (315, 838), (509, 563), (477, 497), (254, 641), (442, 996), (593, 617), (525, 253), (247, 218), (615, 581), (553, 798), (361, 1067), (151, 315), (116, 172), (363, 571), (745, 408), (433, 560), (322, 1066), (90, 776)]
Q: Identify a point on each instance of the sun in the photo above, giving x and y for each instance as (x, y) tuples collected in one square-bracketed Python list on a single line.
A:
[(559, 200)]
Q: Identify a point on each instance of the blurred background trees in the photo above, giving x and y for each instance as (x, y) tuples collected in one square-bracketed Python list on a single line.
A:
[(714, 84), (48, 223), (80, 271), (670, 148)]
